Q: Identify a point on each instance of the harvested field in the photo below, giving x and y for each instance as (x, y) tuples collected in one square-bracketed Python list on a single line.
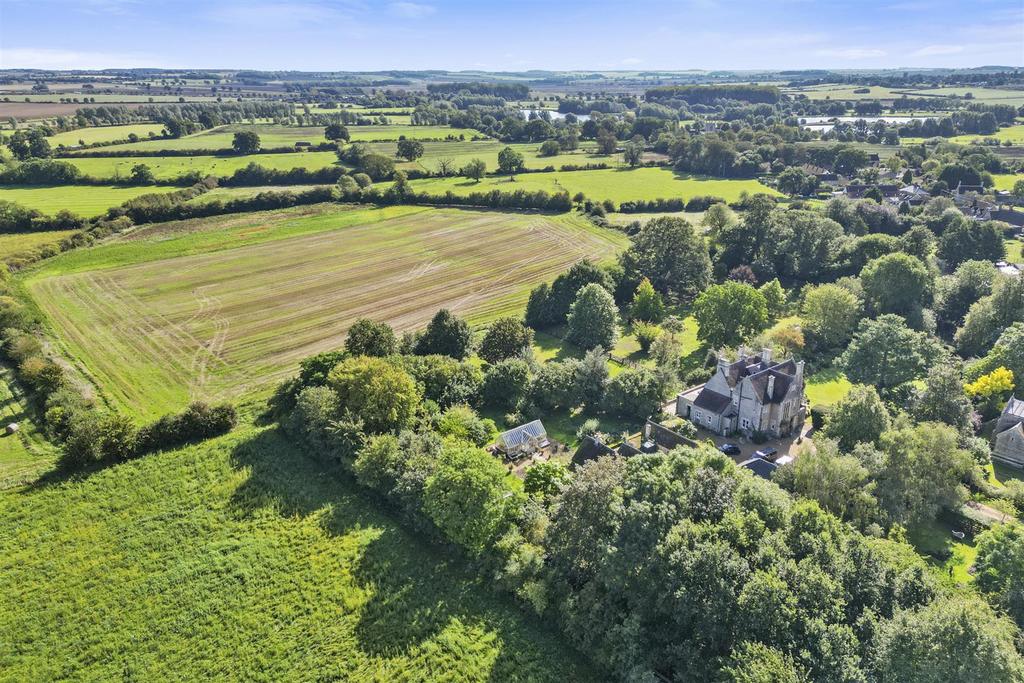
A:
[(85, 200), (105, 133), (222, 312)]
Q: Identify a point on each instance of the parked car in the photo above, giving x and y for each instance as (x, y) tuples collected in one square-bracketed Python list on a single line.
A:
[(730, 449), (769, 454)]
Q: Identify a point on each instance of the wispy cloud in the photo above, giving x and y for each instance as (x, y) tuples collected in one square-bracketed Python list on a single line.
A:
[(46, 58), (852, 53), (411, 10), (934, 50)]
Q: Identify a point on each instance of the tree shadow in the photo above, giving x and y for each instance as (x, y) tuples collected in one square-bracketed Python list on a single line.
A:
[(418, 586)]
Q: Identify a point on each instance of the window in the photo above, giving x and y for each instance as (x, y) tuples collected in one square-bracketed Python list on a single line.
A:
[(709, 419)]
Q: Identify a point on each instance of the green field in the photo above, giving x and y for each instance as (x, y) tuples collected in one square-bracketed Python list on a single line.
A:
[(240, 559), (462, 152), (166, 168), (1014, 250), (84, 200), (224, 308), (104, 134), (25, 454), (617, 185), (843, 92), (272, 135), (1015, 134), (226, 193), (15, 242)]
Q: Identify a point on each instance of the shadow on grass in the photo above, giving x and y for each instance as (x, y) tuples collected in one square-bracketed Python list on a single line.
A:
[(419, 587)]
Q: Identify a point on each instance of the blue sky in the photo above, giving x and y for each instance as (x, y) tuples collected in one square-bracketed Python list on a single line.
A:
[(510, 36)]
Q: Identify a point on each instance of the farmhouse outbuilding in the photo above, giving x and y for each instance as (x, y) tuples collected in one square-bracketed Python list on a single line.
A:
[(523, 440)]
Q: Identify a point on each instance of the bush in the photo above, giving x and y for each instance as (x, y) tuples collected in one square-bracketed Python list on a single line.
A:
[(819, 413), (197, 422)]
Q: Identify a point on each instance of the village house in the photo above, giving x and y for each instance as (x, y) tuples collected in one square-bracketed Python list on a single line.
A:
[(1010, 434), (750, 395)]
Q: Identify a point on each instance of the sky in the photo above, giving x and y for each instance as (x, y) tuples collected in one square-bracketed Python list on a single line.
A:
[(361, 35)]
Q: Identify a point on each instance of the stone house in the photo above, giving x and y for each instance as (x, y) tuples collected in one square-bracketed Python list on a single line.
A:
[(748, 395), (1010, 434)]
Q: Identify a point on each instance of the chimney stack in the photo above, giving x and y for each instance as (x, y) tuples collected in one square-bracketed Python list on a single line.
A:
[(771, 386)]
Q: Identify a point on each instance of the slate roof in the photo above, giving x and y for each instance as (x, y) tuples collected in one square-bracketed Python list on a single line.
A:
[(1014, 407), (760, 467), (712, 400), (514, 438)]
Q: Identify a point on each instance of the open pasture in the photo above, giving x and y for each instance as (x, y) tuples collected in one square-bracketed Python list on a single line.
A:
[(462, 151), (85, 200), (166, 168), (16, 242), (222, 308), (618, 185), (272, 135), (96, 134), (243, 559)]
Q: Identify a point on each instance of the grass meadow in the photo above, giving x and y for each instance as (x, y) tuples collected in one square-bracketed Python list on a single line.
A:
[(167, 168), (85, 200), (272, 135), (15, 242), (25, 454), (91, 136), (224, 308), (1014, 134), (462, 151), (614, 184), (154, 569)]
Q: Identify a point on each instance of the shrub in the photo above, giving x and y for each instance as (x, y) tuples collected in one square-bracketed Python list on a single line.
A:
[(819, 414), (197, 422)]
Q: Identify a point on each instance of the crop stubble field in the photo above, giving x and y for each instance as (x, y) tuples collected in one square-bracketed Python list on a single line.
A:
[(222, 308)]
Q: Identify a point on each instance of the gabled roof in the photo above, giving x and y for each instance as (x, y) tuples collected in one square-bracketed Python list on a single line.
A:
[(523, 433), (1014, 407), (712, 401)]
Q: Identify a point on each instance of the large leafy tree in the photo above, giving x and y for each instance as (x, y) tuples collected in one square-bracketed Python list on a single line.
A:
[(635, 393), (445, 334), (510, 161), (987, 318), (921, 473), (885, 353), (859, 417), (896, 283), (593, 318), (840, 483), (967, 240), (382, 395), (943, 399), (370, 338), (953, 639), (668, 252), (466, 498), (647, 303), (830, 313), (1000, 567), (505, 338), (246, 142), (729, 313)]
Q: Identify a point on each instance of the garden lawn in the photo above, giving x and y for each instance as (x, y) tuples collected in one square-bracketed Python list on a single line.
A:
[(241, 559), (826, 387), (167, 168), (226, 307), (934, 539), (1006, 181), (96, 134), (85, 200), (616, 185), (1014, 250)]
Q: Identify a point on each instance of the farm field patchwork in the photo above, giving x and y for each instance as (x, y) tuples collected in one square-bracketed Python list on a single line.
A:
[(1014, 134), (225, 308), (166, 168), (226, 193), (244, 545), (85, 200), (104, 134), (616, 185)]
